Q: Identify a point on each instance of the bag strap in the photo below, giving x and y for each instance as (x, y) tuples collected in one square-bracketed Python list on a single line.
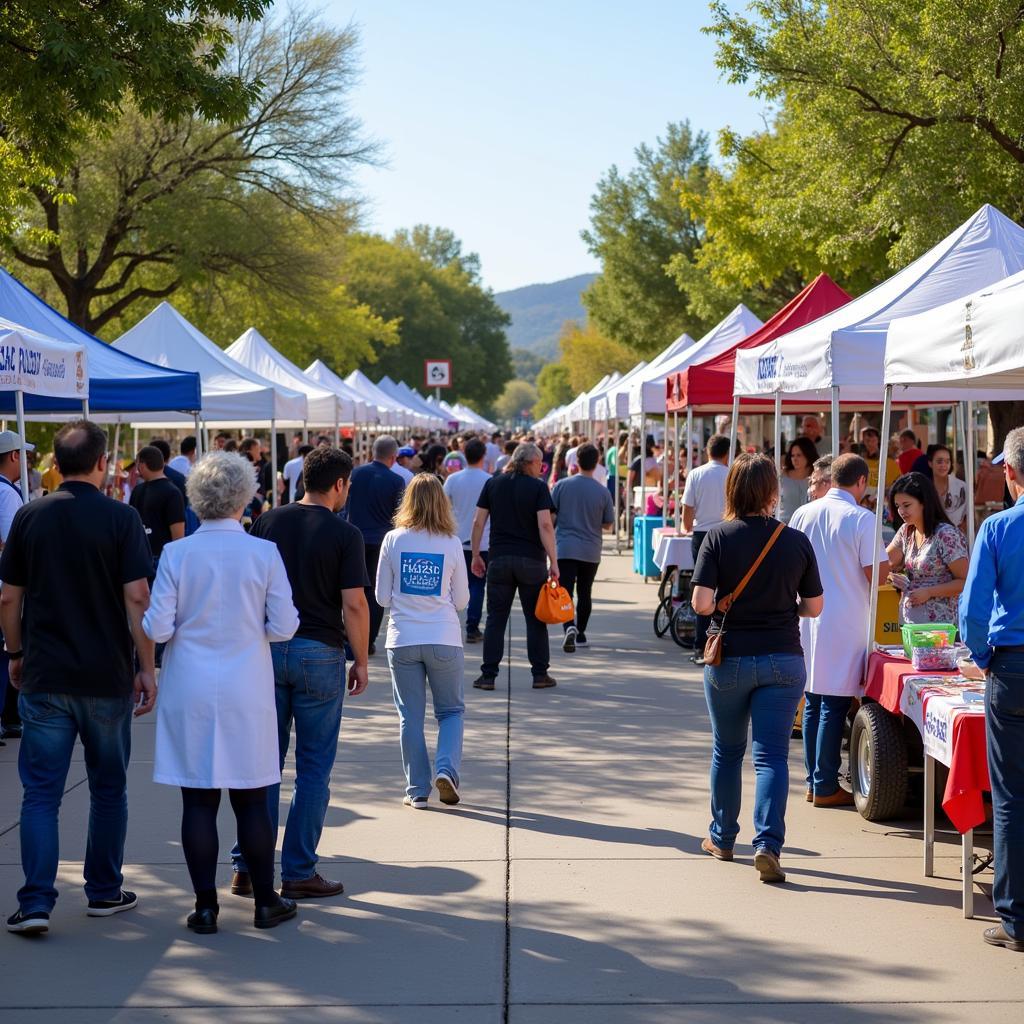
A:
[(727, 602)]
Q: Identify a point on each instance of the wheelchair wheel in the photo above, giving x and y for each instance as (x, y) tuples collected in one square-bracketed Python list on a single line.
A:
[(683, 625), (663, 617)]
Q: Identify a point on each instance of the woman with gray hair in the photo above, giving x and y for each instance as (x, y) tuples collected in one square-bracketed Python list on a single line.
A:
[(220, 598)]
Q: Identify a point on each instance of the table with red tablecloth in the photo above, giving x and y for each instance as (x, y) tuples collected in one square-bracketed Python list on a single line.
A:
[(968, 766), (954, 733)]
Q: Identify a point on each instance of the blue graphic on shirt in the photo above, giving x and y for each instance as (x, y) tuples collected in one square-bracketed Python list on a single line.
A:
[(421, 574)]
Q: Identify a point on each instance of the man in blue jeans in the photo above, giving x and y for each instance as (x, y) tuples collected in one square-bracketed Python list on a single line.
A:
[(992, 626), (324, 558), (74, 573)]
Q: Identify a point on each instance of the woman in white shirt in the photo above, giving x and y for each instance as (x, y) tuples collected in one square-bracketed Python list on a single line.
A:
[(951, 489), (421, 578), (220, 598)]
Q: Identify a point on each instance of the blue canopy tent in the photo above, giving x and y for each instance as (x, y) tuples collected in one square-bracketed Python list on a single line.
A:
[(117, 382)]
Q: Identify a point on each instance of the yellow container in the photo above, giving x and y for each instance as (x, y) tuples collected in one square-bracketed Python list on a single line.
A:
[(887, 624)]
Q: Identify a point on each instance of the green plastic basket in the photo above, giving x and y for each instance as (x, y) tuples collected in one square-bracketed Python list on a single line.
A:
[(913, 629)]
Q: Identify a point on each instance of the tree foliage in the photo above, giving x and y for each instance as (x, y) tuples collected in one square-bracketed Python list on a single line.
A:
[(637, 227), (588, 355), (441, 311), (553, 389), (516, 401), (152, 204), (896, 120)]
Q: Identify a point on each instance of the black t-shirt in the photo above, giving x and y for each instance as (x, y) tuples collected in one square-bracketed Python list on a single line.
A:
[(764, 618), (73, 551), (513, 500), (323, 556), (160, 505)]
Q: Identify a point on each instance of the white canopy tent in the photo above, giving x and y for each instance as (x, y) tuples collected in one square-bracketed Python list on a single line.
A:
[(231, 393), (36, 364), (392, 412), (607, 405), (322, 374), (413, 400), (968, 349), (844, 351), (582, 410)]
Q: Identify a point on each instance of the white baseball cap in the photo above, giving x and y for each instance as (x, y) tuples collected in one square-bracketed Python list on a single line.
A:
[(10, 442)]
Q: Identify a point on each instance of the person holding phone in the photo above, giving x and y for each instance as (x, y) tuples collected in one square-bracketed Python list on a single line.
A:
[(326, 565)]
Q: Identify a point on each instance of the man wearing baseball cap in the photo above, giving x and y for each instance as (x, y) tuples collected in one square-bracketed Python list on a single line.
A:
[(10, 501), (404, 463)]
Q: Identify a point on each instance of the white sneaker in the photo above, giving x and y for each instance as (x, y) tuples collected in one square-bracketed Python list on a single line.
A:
[(569, 640), (417, 803), (447, 790)]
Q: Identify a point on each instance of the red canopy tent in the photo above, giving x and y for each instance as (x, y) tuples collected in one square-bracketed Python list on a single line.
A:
[(708, 386)]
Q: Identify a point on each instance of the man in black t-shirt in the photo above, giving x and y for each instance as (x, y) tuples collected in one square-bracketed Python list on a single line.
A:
[(158, 502), (176, 478), (519, 505), (74, 573), (324, 558)]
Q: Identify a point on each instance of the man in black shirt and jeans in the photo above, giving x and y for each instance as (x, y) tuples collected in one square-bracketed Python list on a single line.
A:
[(323, 556), (74, 573), (522, 534), (158, 502)]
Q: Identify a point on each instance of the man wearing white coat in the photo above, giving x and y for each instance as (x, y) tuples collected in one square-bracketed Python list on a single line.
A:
[(842, 535)]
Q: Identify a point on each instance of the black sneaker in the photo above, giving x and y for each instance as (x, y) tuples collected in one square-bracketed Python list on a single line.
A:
[(10, 732), (372, 649), (484, 682), (107, 908), (473, 635), (569, 640), (33, 923), (581, 640)]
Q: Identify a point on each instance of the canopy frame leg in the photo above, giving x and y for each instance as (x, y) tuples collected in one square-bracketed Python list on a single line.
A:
[(879, 506)]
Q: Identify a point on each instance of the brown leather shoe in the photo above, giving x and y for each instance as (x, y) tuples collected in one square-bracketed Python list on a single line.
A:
[(708, 846), (314, 887), (241, 884), (543, 682), (840, 798)]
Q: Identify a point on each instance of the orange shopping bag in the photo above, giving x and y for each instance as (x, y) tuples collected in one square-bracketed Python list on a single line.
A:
[(554, 605)]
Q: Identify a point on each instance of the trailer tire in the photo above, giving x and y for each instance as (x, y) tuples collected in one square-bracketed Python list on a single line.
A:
[(878, 763)]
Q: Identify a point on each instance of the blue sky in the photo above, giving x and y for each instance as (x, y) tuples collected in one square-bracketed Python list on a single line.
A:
[(499, 118)]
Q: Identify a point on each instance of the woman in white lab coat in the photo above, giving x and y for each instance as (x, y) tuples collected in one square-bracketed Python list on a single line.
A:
[(220, 597)]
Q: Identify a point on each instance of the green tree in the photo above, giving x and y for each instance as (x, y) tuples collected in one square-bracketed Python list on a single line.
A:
[(67, 66), (588, 355), (637, 227), (442, 312), (553, 389), (515, 401), (527, 364), (152, 204)]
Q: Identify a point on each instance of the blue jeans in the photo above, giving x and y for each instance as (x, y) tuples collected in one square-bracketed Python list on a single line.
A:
[(51, 723), (309, 680), (763, 691), (477, 588), (1004, 718), (412, 669), (824, 717)]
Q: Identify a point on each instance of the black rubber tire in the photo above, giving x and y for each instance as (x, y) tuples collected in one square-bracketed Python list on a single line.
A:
[(663, 617), (887, 752), (665, 587), (684, 625)]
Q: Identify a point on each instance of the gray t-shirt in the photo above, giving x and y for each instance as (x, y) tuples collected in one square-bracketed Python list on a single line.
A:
[(582, 506)]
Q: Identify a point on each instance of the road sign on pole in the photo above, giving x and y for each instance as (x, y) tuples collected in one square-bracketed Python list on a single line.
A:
[(437, 373)]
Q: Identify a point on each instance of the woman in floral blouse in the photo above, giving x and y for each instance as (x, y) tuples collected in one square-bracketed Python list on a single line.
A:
[(928, 550)]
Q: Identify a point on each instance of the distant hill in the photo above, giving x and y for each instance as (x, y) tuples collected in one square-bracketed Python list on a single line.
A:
[(538, 312)]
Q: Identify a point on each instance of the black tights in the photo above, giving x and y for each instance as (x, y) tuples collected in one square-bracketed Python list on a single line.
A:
[(201, 844), (579, 577)]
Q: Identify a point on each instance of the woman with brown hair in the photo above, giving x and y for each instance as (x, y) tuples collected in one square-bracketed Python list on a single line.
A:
[(421, 578), (761, 675)]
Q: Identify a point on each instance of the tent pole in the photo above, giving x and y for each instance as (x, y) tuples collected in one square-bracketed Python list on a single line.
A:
[(199, 437), (664, 474), (835, 422), (19, 405), (617, 495), (627, 499), (335, 440), (273, 464), (879, 505), (777, 433), (117, 444), (643, 455), (969, 450), (689, 440), (85, 408), (135, 441), (734, 428)]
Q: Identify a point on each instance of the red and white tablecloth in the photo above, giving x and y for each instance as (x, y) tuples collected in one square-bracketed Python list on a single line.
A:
[(952, 729)]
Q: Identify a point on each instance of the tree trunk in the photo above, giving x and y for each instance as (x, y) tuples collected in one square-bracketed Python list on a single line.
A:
[(1004, 416)]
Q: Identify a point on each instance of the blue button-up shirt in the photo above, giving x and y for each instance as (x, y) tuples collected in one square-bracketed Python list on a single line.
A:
[(992, 603)]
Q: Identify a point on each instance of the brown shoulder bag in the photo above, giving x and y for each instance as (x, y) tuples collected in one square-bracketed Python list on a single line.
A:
[(716, 631)]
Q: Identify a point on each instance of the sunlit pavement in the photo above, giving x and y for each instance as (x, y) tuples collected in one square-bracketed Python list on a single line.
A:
[(568, 886)]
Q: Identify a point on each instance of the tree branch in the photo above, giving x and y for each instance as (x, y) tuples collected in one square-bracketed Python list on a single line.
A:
[(115, 309)]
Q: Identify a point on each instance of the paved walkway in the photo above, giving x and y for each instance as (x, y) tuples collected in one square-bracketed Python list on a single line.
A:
[(595, 906)]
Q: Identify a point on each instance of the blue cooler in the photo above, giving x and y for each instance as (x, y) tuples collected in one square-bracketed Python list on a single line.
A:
[(643, 544)]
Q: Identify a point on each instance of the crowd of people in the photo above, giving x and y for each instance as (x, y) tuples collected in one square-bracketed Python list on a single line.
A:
[(254, 595)]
